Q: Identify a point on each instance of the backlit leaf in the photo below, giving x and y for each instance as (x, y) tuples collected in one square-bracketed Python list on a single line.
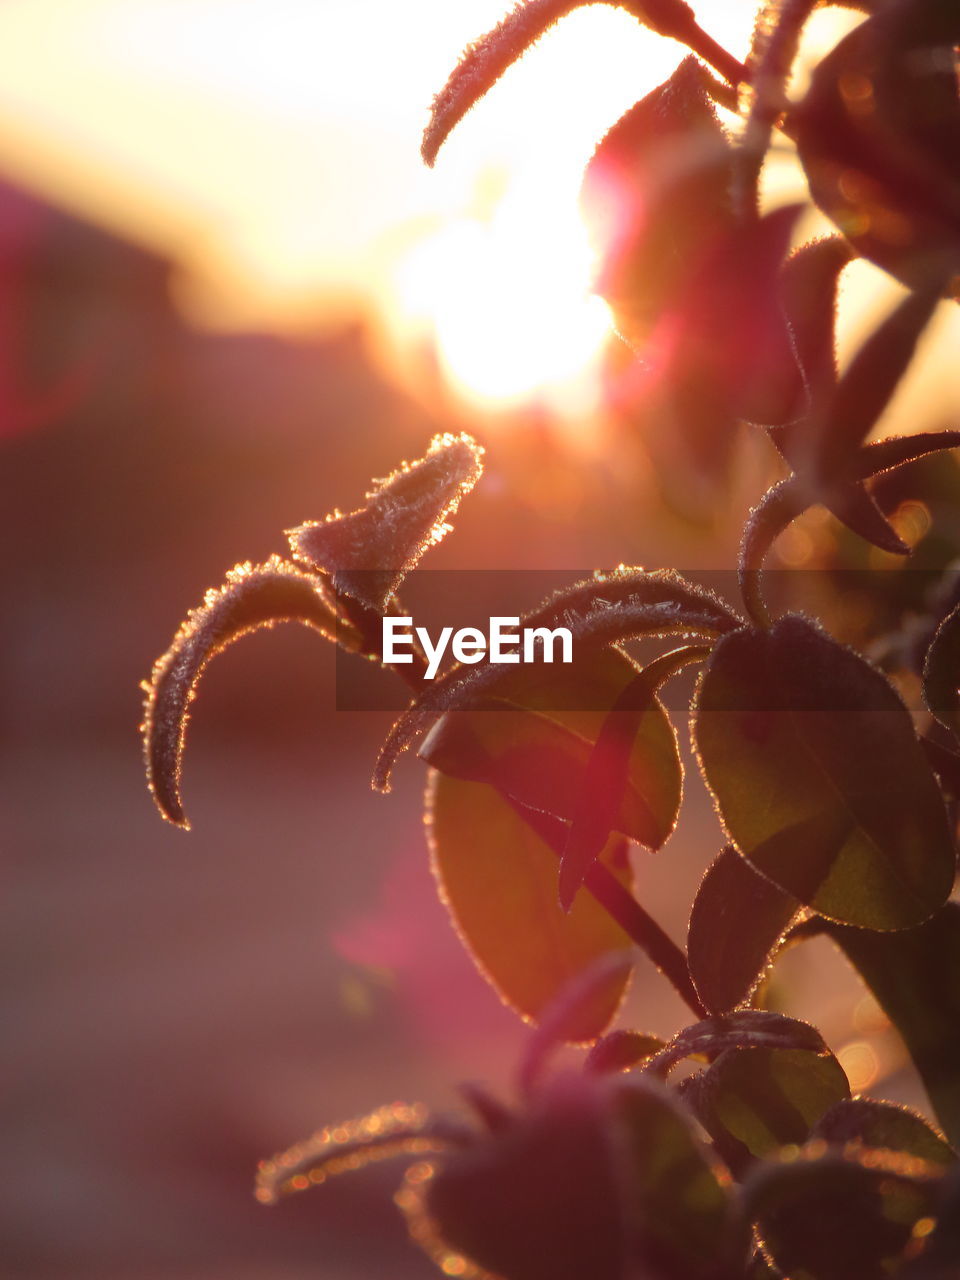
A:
[(539, 757), (915, 977), (878, 134), (498, 879), (832, 1216), (368, 552), (819, 778), (253, 596), (883, 1124), (602, 610), (621, 1050), (754, 1101), (738, 918)]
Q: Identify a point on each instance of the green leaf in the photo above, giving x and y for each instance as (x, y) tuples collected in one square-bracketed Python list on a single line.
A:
[(941, 673), (539, 757), (602, 610), (915, 977), (819, 778), (678, 1220), (498, 879), (883, 1125), (737, 920), (368, 552), (835, 1217), (253, 596), (754, 1101)]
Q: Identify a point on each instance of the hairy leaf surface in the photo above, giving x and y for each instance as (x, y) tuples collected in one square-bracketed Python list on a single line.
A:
[(819, 778)]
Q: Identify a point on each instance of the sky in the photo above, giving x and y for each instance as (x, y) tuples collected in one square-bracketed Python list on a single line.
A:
[(270, 149)]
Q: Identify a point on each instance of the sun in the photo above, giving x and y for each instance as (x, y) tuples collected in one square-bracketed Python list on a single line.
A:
[(506, 299)]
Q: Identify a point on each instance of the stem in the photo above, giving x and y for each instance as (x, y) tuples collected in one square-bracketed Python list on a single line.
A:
[(768, 519), (621, 906), (663, 952), (772, 56)]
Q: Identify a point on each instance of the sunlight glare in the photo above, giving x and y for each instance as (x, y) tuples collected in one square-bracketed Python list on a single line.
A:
[(507, 299)]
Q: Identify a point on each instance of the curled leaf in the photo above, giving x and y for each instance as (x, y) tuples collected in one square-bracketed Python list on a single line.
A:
[(602, 610), (253, 596), (742, 1029), (485, 60), (368, 552), (819, 779), (738, 919), (384, 1134)]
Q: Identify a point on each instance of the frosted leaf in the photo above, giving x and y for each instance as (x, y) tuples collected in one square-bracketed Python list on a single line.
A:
[(604, 609), (253, 596), (369, 551), (485, 60)]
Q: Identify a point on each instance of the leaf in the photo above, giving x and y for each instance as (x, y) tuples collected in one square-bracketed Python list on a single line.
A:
[(678, 1215), (834, 1217), (497, 878), (941, 673), (819, 779), (539, 757), (606, 777), (485, 60), (390, 1131), (566, 1012), (808, 286), (878, 133), (620, 1051), (656, 196), (602, 610), (883, 1124), (737, 921), (743, 1029), (599, 1177), (915, 977), (754, 1101), (867, 386), (253, 596), (369, 551), (898, 451)]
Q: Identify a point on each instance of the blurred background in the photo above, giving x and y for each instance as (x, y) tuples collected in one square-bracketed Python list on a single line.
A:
[(229, 295)]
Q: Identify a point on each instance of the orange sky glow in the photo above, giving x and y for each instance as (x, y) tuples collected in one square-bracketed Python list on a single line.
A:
[(270, 149)]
